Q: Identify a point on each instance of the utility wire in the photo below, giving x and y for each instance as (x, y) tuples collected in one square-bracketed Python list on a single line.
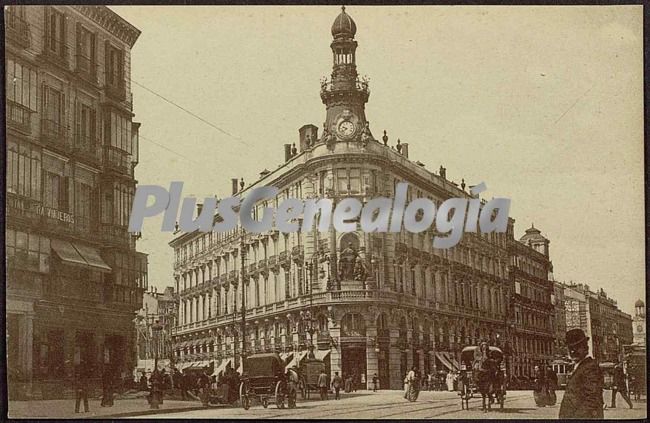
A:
[(72, 47)]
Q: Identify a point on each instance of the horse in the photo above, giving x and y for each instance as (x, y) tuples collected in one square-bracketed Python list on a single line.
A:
[(485, 383)]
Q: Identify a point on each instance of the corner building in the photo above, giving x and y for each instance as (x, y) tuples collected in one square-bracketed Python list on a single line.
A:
[(74, 277), (367, 302)]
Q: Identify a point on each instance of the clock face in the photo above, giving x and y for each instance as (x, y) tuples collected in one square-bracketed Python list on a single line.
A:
[(346, 128)]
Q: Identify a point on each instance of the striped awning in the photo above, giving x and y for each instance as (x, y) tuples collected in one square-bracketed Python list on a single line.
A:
[(297, 358), (445, 361), (221, 367)]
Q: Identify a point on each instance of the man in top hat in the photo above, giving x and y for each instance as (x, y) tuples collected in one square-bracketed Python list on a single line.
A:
[(583, 397)]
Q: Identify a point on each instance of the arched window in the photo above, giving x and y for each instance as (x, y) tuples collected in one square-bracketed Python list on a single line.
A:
[(353, 325)]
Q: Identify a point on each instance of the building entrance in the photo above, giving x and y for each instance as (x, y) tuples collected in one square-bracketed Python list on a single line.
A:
[(353, 362)]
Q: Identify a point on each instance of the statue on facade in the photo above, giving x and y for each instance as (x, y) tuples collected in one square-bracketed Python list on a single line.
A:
[(294, 150), (399, 146), (385, 138), (360, 271), (366, 135), (346, 263), (328, 138)]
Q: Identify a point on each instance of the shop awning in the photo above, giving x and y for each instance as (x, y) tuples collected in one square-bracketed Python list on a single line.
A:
[(452, 360), (297, 358), (67, 253), (445, 362), (221, 367), (322, 354), (92, 257)]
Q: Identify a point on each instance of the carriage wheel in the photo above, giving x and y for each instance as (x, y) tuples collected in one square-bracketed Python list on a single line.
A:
[(279, 395), (243, 396)]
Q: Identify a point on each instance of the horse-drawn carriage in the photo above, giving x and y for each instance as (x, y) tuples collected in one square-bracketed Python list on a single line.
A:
[(486, 378), (264, 379)]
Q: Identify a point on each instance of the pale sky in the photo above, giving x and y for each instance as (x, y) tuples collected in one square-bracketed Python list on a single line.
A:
[(543, 104)]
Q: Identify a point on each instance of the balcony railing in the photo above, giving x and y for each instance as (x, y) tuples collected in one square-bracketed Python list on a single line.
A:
[(17, 29), (115, 90), (87, 68), (54, 131), (19, 116), (85, 147), (56, 51), (114, 233), (116, 159)]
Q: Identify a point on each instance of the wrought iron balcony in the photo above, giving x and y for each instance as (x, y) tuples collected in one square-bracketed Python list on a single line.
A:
[(54, 132), (85, 147), (19, 116), (86, 68), (55, 51), (116, 159), (116, 90)]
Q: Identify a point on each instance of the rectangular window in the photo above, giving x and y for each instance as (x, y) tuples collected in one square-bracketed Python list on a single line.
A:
[(55, 193), (86, 51), (86, 127), (120, 132), (342, 180), (114, 66), (355, 181), (21, 85), (53, 111), (55, 32), (24, 166)]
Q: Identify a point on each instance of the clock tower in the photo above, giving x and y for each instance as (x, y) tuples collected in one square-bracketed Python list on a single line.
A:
[(344, 94)]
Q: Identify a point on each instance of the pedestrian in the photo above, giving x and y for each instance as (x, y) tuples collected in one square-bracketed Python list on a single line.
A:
[(81, 388), (322, 384), (375, 382), (430, 381), (347, 383), (620, 386), (551, 384), (410, 385), (539, 391), (143, 385), (107, 387), (583, 396), (355, 381), (336, 385)]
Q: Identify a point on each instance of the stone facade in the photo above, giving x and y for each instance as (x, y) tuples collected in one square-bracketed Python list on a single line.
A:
[(74, 277), (403, 303)]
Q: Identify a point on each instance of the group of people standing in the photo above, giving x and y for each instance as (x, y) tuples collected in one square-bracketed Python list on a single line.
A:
[(82, 377)]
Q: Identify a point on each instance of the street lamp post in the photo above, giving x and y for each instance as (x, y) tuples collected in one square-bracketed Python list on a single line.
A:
[(156, 392)]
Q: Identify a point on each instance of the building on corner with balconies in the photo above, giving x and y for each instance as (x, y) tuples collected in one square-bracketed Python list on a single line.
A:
[(74, 277), (365, 303)]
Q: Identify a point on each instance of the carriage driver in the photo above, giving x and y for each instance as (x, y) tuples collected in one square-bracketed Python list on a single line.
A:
[(292, 380)]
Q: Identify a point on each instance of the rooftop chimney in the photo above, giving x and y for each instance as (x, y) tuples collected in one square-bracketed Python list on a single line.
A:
[(264, 173), (235, 185), (287, 152), (199, 207)]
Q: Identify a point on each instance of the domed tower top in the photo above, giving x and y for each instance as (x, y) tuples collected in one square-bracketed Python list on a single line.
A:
[(536, 240), (343, 26), (344, 95), (639, 308)]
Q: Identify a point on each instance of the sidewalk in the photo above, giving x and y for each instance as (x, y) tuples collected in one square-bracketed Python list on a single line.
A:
[(57, 409)]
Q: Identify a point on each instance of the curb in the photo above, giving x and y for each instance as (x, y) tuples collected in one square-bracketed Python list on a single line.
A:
[(157, 411)]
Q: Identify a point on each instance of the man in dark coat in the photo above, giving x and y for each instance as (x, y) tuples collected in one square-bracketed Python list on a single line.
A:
[(107, 387), (583, 397), (619, 386), (81, 387)]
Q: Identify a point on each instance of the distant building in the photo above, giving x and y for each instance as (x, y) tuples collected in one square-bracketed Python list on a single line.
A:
[(608, 328), (635, 354), (559, 322), (531, 274), (154, 323)]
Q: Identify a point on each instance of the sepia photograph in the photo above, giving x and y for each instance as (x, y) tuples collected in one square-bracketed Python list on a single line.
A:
[(324, 212)]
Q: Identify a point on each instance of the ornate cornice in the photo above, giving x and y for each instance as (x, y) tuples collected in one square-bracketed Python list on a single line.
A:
[(112, 22)]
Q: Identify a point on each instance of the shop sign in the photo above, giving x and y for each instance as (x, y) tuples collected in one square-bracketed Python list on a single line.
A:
[(34, 207)]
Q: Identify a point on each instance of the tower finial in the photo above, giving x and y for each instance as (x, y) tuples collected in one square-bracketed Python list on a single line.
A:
[(343, 8)]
